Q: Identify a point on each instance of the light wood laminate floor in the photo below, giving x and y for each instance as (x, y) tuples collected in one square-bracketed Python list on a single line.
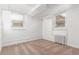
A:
[(39, 47)]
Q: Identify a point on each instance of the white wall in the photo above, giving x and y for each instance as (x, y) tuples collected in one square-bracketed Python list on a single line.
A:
[(72, 20), (0, 34), (33, 27), (72, 24), (0, 30), (48, 27), (31, 31)]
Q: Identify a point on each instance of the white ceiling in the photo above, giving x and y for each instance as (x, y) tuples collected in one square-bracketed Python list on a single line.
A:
[(20, 8), (50, 10), (24, 8), (35, 9)]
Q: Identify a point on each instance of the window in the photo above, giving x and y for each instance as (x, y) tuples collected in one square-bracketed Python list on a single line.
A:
[(17, 21), (60, 21)]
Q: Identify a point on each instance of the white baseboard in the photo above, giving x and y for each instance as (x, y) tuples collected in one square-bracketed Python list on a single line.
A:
[(74, 46), (17, 42), (66, 44), (26, 40)]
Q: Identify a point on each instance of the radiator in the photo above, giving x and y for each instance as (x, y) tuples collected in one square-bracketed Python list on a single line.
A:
[(60, 39)]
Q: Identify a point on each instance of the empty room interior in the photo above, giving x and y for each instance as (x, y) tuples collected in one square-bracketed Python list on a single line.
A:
[(39, 29)]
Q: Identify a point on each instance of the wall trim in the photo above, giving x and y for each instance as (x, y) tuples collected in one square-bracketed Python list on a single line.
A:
[(17, 42), (66, 44), (27, 40), (72, 46)]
